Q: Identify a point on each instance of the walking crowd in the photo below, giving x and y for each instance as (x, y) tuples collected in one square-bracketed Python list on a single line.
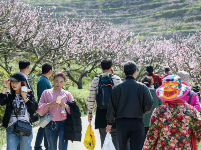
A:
[(158, 113)]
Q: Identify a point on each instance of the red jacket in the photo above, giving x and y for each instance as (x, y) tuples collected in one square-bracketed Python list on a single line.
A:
[(158, 80)]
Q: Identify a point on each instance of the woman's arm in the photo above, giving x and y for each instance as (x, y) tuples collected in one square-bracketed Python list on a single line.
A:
[(3, 99), (31, 103), (196, 102), (44, 106), (3, 96)]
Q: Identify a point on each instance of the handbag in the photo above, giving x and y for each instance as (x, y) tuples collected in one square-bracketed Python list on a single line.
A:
[(22, 127), (44, 120)]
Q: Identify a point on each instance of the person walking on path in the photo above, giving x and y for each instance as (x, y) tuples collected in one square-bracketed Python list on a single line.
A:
[(43, 84), (157, 102), (19, 106), (191, 98), (100, 120), (156, 78), (24, 66), (53, 101), (130, 100), (175, 124)]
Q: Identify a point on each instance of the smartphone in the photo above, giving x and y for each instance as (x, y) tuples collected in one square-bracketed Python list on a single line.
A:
[(58, 101), (24, 89)]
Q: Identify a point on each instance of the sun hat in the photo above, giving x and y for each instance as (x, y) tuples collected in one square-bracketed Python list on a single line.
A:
[(172, 88), (17, 77), (184, 76)]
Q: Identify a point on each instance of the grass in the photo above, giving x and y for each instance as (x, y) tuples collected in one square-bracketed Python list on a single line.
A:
[(79, 92), (2, 137)]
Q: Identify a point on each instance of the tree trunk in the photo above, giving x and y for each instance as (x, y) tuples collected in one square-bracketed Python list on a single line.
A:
[(79, 84)]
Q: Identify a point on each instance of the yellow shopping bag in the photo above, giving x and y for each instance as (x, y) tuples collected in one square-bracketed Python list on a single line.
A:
[(89, 140)]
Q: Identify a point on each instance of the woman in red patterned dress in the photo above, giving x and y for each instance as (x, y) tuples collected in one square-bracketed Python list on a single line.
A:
[(175, 124)]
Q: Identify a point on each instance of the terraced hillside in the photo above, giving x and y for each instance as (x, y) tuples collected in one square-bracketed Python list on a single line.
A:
[(146, 17)]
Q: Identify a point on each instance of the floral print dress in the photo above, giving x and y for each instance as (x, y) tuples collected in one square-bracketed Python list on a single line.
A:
[(171, 127)]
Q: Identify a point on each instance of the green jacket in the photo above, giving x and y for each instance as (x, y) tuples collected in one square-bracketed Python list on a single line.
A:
[(157, 102)]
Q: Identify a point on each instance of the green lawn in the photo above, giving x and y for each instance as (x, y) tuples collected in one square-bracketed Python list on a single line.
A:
[(2, 136)]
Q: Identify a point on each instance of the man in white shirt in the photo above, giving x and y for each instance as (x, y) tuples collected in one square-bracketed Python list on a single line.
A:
[(24, 66)]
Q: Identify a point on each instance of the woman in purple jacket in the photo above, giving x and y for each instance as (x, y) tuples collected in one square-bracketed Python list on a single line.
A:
[(194, 100)]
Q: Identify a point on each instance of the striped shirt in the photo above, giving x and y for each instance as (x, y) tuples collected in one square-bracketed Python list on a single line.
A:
[(94, 89)]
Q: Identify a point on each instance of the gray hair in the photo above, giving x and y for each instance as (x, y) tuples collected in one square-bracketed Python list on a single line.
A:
[(185, 77)]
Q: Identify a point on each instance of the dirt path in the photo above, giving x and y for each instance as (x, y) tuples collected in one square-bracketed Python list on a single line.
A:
[(74, 145)]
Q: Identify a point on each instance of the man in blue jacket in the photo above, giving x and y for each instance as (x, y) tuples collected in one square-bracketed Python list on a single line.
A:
[(43, 84), (129, 101)]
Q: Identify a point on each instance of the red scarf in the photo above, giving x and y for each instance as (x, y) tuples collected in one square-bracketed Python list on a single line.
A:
[(194, 145)]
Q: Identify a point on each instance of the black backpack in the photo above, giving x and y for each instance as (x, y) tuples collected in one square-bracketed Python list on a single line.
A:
[(105, 86), (156, 85)]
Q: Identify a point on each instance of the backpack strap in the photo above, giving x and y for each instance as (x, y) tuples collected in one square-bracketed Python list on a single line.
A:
[(191, 94), (99, 76)]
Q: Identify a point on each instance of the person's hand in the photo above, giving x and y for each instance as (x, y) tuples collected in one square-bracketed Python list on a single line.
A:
[(62, 104), (24, 94), (6, 83), (90, 116), (108, 128), (52, 104)]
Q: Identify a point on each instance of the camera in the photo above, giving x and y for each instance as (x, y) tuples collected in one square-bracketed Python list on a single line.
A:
[(196, 89)]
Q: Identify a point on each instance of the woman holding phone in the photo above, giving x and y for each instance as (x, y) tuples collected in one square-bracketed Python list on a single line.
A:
[(19, 106), (54, 101)]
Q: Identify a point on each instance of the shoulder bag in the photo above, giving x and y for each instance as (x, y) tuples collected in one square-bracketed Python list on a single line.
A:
[(22, 127)]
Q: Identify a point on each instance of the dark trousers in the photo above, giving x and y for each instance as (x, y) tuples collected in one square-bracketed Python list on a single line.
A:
[(39, 139), (113, 135), (130, 129), (146, 129)]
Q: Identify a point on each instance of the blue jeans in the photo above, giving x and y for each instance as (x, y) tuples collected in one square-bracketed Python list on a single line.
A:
[(39, 139), (13, 139), (55, 130)]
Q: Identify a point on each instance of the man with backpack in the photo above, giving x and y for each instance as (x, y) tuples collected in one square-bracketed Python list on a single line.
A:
[(100, 91)]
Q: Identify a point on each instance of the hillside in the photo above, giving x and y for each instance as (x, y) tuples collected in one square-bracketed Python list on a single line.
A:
[(146, 17)]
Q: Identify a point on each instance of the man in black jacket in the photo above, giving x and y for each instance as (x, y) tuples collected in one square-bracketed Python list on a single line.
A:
[(129, 101)]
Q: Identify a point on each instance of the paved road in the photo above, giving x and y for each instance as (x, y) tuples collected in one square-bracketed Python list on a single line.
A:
[(74, 145)]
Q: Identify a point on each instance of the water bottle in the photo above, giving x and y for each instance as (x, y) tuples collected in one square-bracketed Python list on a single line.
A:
[(63, 113)]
